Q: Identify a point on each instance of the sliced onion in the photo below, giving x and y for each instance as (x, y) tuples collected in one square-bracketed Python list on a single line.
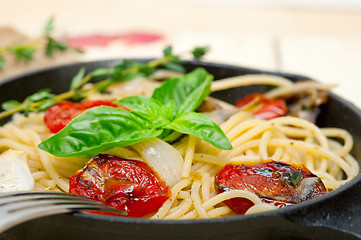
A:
[(162, 158), (15, 174)]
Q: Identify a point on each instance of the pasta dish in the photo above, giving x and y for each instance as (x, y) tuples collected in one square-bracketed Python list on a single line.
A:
[(167, 150)]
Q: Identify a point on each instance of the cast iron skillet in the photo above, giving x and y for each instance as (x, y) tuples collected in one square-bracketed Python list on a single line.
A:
[(337, 215)]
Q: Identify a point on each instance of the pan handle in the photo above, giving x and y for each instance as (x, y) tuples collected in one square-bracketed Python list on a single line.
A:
[(340, 211)]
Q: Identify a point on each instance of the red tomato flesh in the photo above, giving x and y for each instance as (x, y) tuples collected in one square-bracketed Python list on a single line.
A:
[(128, 185), (268, 108), (60, 114), (276, 183)]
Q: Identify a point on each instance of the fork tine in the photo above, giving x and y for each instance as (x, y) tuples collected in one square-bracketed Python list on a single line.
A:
[(19, 207), (41, 194), (6, 198)]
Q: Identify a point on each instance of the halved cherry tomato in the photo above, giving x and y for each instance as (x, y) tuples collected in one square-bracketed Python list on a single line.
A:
[(60, 114), (128, 185), (274, 182), (268, 109)]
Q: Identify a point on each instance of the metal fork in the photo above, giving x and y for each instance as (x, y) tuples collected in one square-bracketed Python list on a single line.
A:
[(19, 207)]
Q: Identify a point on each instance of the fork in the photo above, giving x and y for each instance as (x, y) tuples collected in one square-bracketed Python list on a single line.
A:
[(19, 207)]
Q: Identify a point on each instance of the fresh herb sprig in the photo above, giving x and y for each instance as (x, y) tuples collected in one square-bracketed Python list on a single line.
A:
[(52, 45), (199, 52), (22, 52), (171, 107), (125, 71), (25, 51)]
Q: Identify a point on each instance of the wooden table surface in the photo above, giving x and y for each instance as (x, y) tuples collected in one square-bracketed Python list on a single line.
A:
[(322, 43)]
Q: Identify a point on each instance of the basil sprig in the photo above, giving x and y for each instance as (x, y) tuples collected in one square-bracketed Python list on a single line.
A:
[(170, 108)]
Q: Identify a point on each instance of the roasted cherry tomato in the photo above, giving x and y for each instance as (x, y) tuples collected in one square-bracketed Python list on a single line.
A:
[(60, 114), (128, 185), (276, 183), (268, 109)]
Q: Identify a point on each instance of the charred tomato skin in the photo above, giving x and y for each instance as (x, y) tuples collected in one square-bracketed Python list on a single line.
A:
[(60, 114), (276, 183), (128, 185)]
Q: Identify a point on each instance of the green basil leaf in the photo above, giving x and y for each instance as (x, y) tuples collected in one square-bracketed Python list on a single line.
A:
[(11, 104), (171, 136), (201, 126), (168, 109), (77, 80), (149, 109), (97, 130), (167, 92), (196, 97), (187, 92)]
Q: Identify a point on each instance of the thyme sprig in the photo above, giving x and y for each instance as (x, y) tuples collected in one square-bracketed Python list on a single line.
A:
[(125, 71), (25, 51)]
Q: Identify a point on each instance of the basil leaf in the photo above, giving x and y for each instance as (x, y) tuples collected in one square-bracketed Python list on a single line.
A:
[(187, 92), (167, 92), (168, 109), (149, 109), (77, 80), (11, 104), (97, 130), (194, 99), (201, 126)]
